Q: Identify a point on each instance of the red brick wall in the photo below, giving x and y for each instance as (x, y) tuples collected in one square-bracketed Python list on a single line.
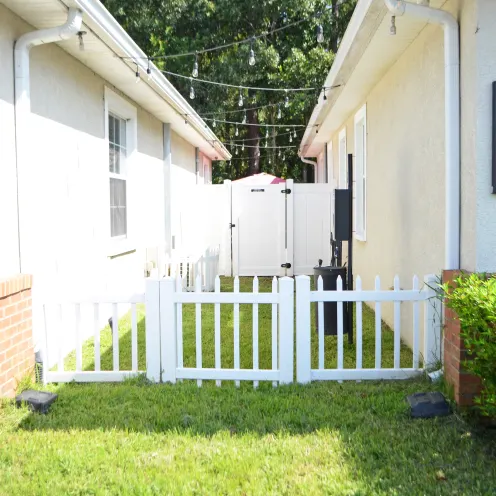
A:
[(16, 333), (465, 386)]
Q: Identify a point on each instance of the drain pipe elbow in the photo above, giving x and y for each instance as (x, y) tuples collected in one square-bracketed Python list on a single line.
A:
[(310, 162)]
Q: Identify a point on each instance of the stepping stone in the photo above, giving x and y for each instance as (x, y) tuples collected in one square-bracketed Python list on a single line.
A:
[(428, 405), (38, 401)]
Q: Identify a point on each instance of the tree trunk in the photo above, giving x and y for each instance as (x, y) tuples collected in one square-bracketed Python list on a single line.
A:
[(253, 153), (334, 36)]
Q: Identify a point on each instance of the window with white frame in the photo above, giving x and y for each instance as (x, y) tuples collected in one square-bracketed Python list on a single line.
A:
[(343, 162), (121, 129), (360, 207)]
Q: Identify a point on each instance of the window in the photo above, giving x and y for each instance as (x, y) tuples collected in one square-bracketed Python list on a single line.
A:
[(360, 168), (343, 160), (120, 130), (330, 165), (117, 168)]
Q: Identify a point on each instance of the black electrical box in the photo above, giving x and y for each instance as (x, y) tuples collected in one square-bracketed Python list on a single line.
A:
[(342, 214)]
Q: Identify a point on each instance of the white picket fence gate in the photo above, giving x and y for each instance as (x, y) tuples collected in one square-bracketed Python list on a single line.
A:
[(164, 299)]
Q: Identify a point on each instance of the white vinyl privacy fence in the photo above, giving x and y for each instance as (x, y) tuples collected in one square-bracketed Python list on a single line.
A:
[(165, 299)]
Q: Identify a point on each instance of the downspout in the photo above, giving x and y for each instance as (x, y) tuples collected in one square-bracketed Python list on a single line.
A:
[(311, 162), (22, 105), (452, 117)]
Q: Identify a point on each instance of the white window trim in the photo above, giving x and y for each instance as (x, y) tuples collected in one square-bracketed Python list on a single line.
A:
[(120, 107), (343, 168), (361, 116)]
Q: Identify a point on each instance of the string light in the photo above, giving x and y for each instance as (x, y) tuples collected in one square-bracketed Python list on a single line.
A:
[(251, 57), (287, 126), (214, 124), (240, 101), (266, 132), (243, 147), (320, 34), (192, 91), (294, 134), (291, 138), (138, 76), (149, 71), (194, 72), (244, 118), (237, 131), (279, 112), (265, 144), (286, 100)]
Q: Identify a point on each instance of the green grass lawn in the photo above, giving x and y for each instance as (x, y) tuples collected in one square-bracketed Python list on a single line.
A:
[(324, 438)]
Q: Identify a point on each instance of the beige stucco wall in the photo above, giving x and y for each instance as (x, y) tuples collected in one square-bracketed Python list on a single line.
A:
[(405, 165)]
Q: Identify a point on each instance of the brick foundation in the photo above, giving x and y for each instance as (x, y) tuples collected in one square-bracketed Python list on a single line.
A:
[(16, 333), (465, 386)]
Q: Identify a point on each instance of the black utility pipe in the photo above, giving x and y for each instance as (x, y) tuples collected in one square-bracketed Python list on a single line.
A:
[(350, 247)]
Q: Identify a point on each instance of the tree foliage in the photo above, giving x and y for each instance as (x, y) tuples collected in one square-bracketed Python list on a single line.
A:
[(289, 58)]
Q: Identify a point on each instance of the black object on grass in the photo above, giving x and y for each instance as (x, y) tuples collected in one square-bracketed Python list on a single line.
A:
[(38, 401), (428, 405)]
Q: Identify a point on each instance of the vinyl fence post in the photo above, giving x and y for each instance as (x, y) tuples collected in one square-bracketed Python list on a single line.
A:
[(432, 323), (168, 335), (286, 329), (152, 324), (303, 353)]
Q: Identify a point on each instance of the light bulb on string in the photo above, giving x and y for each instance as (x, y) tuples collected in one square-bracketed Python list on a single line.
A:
[(194, 72), (191, 91), (291, 138), (244, 118), (284, 156), (266, 144), (214, 124), (237, 150), (270, 161), (240, 100), (320, 34), (243, 146), (279, 153), (279, 112), (267, 131), (251, 57), (286, 100), (294, 134), (237, 131), (149, 71), (138, 75)]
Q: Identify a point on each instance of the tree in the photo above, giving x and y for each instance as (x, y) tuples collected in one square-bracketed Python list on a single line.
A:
[(287, 58)]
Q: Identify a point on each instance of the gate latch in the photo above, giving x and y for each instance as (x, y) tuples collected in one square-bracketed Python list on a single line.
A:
[(286, 265), (231, 225), (286, 191)]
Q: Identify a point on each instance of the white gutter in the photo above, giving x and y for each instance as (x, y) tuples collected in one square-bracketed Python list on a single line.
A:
[(310, 162), (452, 117), (102, 17), (22, 104)]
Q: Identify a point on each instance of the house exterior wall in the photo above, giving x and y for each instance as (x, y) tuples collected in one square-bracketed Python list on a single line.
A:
[(405, 177), (64, 189)]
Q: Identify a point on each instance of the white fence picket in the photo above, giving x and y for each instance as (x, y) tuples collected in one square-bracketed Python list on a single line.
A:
[(255, 330), (217, 329), (320, 324), (397, 325), (236, 329), (152, 325), (96, 334), (286, 329), (339, 287), (359, 326), (115, 336), (199, 351), (416, 326), (179, 325), (378, 327), (303, 330), (60, 367), (134, 338), (79, 343), (275, 327)]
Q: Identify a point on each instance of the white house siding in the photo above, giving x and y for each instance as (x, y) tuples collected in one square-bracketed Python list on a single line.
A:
[(405, 211)]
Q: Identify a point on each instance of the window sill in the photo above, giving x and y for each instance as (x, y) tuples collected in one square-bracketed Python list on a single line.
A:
[(120, 247)]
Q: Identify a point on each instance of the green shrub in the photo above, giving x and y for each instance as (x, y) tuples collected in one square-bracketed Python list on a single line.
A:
[(473, 298)]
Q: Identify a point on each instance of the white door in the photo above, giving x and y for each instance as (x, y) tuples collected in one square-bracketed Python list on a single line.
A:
[(312, 226), (259, 229)]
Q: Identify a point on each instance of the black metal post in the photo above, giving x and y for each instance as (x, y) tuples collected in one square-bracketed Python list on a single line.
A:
[(350, 248), (494, 139)]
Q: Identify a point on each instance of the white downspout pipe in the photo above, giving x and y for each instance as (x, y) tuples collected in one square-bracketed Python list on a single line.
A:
[(311, 162), (452, 117), (22, 104)]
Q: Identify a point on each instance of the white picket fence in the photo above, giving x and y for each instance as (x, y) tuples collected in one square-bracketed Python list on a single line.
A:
[(432, 329), (164, 299), (188, 267)]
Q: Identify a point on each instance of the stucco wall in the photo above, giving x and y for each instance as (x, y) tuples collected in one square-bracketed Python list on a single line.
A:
[(64, 187), (9, 256), (405, 164), (486, 74)]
